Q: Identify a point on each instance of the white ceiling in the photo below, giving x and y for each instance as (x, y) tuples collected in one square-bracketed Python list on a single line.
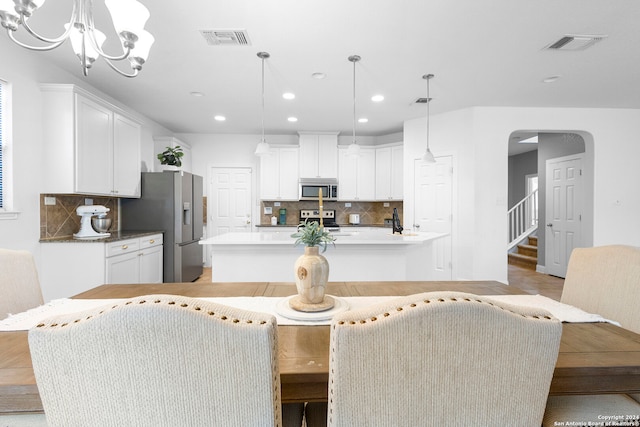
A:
[(482, 52)]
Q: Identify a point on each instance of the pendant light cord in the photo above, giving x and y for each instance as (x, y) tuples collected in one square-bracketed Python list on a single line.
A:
[(354, 102), (428, 110), (262, 140)]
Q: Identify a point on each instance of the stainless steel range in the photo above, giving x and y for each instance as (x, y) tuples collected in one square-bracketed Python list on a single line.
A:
[(328, 218)]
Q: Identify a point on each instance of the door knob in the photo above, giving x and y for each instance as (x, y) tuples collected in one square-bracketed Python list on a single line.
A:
[(550, 225), (416, 226)]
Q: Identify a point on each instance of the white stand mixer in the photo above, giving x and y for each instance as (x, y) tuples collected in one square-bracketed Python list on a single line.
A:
[(86, 230)]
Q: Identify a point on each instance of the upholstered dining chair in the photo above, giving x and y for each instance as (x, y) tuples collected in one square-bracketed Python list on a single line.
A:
[(159, 360), (19, 285), (603, 280), (441, 358)]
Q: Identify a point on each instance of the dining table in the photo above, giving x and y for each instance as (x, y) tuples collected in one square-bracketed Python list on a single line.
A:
[(594, 358)]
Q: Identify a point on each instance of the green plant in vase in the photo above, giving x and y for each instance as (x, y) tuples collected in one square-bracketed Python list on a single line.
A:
[(312, 234), (171, 156)]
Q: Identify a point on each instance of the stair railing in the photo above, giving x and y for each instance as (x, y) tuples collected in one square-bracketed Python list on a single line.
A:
[(523, 218)]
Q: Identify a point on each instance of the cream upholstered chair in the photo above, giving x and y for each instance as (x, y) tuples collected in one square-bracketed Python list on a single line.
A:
[(441, 358), (603, 280), (159, 360), (19, 285)]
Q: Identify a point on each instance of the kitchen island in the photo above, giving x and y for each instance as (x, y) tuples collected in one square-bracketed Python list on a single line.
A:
[(356, 256)]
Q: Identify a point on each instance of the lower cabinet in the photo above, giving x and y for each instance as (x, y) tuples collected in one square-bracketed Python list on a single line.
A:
[(135, 260), (71, 267)]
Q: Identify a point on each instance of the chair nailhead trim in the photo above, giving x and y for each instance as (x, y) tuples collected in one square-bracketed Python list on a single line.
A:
[(454, 299), (156, 301)]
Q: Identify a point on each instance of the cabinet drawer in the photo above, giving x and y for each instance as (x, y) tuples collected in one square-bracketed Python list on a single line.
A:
[(122, 247), (150, 241)]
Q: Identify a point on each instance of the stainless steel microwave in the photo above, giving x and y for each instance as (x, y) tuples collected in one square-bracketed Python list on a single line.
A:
[(310, 189)]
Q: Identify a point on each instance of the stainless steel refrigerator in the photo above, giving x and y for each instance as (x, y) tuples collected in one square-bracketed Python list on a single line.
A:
[(171, 202)]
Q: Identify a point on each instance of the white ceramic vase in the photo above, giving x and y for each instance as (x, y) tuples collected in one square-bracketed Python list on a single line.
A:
[(312, 273)]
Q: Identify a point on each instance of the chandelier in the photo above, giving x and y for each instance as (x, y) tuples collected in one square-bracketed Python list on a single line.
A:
[(128, 16)]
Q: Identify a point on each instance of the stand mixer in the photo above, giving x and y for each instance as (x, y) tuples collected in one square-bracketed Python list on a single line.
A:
[(86, 230)]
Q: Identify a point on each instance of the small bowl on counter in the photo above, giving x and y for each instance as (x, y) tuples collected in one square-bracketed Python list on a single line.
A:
[(101, 225)]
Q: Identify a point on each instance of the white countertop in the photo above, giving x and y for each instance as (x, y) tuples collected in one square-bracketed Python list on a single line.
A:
[(377, 237)]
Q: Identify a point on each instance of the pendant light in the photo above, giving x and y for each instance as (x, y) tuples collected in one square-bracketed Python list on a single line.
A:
[(354, 148), (427, 157), (263, 147)]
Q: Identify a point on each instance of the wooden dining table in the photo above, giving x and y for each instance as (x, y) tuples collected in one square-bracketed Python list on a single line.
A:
[(594, 358)]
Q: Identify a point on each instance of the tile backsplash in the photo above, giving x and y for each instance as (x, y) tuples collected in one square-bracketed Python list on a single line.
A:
[(60, 219), (371, 213)]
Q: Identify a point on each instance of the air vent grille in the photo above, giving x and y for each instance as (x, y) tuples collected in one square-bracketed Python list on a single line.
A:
[(226, 37), (423, 100), (575, 42)]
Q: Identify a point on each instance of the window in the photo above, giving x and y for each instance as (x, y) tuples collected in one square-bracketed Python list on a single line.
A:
[(5, 153)]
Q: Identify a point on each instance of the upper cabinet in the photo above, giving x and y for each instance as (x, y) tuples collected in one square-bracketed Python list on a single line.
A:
[(318, 154), (357, 175), (160, 143), (92, 146), (389, 163), (279, 174)]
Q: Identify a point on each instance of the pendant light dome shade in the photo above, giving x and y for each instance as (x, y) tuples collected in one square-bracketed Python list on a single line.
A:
[(428, 157), (263, 147), (354, 148)]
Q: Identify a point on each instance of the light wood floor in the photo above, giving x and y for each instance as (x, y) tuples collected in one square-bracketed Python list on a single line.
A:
[(527, 280)]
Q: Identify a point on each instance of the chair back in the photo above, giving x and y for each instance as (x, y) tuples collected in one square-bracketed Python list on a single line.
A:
[(605, 280), (19, 285), (441, 358), (159, 360)]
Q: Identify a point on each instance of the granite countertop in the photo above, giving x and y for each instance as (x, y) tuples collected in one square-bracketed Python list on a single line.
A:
[(115, 236)]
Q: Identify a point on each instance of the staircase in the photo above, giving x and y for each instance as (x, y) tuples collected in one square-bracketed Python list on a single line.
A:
[(526, 255)]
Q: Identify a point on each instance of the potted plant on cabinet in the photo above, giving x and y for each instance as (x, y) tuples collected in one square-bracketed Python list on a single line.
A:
[(172, 156), (311, 269)]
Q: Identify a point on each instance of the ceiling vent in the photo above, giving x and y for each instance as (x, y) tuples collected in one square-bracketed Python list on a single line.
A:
[(422, 100), (226, 37), (575, 42)]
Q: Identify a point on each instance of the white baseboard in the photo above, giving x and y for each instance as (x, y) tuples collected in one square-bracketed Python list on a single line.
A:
[(541, 269)]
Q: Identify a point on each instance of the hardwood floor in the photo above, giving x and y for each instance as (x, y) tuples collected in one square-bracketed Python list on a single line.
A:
[(525, 279)]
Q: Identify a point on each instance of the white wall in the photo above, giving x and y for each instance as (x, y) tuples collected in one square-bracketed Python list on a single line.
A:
[(479, 138)]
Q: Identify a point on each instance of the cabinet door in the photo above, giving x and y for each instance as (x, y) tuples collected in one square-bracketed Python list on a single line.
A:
[(347, 175), (397, 171), (288, 168), (269, 176), (366, 174), (383, 173), (123, 268), (328, 156), (94, 147), (126, 157), (151, 265), (309, 156)]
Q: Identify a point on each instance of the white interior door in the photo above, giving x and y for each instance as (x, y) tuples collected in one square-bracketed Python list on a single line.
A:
[(433, 210), (563, 213), (229, 201)]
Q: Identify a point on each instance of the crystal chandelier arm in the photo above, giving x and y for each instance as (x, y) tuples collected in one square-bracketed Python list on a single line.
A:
[(55, 41), (38, 48), (122, 73)]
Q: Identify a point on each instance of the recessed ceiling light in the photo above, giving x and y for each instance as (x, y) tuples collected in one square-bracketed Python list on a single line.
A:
[(318, 76), (292, 119), (197, 94), (377, 98), (220, 118), (550, 79), (363, 120), (288, 95)]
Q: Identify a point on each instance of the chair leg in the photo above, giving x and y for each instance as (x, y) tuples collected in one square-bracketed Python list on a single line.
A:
[(315, 414), (292, 414)]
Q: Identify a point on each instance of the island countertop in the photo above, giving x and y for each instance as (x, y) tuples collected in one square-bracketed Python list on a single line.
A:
[(377, 237)]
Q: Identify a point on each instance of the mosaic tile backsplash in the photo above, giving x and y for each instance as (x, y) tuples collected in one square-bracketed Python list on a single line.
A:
[(371, 213), (61, 220)]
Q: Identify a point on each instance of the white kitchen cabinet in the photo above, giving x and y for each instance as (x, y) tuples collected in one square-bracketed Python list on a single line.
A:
[(389, 164), (357, 175), (318, 155), (136, 260), (92, 146), (279, 174), (71, 267)]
